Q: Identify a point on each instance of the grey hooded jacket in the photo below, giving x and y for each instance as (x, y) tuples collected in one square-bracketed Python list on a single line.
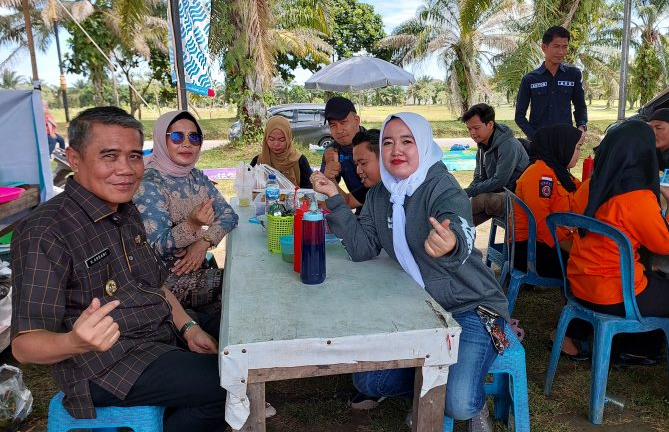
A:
[(458, 281), (498, 164)]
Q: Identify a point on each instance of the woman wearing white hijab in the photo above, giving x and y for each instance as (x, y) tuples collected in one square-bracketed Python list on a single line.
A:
[(436, 248)]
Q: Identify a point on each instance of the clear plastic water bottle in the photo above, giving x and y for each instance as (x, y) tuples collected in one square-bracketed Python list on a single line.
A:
[(312, 268), (272, 192)]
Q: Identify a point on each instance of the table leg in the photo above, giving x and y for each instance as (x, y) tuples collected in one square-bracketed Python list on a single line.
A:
[(256, 420), (428, 411)]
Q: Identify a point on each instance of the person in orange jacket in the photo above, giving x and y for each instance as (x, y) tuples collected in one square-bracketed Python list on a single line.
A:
[(547, 187), (624, 192)]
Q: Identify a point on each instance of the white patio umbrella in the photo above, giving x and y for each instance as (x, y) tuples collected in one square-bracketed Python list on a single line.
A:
[(358, 73)]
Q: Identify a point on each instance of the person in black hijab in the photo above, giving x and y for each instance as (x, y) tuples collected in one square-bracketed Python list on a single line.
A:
[(625, 161), (624, 193), (546, 186)]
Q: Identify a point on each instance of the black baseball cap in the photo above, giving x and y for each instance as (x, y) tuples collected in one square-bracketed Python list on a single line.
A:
[(660, 114), (338, 108)]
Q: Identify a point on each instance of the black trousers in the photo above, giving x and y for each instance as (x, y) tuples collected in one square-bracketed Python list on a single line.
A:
[(652, 302), (548, 265), (185, 382)]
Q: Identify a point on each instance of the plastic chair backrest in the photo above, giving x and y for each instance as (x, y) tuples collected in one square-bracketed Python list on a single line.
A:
[(626, 255), (512, 199)]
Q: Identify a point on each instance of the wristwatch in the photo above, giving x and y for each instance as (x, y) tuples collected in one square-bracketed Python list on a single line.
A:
[(206, 237), (190, 324)]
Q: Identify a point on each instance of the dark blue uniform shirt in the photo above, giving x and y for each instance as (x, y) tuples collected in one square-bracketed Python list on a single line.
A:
[(550, 98), (348, 171)]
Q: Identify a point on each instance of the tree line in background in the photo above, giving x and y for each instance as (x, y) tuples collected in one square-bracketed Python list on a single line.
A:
[(484, 47)]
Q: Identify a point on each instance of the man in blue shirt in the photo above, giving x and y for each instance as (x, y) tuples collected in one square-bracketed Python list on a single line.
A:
[(337, 160), (551, 89)]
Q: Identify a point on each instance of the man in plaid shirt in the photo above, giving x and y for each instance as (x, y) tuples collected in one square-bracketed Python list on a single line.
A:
[(88, 297)]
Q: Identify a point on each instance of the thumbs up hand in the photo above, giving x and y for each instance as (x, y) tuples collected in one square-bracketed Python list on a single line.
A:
[(332, 165)]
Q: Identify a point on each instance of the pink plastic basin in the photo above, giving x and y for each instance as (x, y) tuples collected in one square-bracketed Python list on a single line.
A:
[(10, 193)]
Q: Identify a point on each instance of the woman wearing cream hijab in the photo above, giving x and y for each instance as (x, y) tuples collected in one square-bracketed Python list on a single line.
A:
[(278, 152)]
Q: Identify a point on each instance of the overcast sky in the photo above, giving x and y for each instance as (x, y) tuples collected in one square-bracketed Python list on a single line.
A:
[(392, 13)]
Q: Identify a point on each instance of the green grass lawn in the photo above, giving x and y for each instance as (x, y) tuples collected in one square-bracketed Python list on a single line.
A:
[(320, 404), (216, 122)]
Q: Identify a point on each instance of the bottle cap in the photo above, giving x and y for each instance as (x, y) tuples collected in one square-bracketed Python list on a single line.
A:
[(272, 176), (313, 215)]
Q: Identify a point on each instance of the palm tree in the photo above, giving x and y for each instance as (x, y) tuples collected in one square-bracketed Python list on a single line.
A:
[(648, 66), (13, 34), (595, 41), (464, 34), (11, 80), (258, 31)]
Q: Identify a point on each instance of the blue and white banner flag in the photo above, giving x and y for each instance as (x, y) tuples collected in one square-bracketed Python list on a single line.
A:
[(195, 16)]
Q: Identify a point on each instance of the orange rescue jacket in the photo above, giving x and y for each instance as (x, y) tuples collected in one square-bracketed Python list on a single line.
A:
[(540, 189), (594, 262)]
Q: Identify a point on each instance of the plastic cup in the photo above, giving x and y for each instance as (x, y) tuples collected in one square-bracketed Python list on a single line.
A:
[(244, 195), (287, 248)]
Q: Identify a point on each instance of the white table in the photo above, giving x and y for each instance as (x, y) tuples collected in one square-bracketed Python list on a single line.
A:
[(365, 316)]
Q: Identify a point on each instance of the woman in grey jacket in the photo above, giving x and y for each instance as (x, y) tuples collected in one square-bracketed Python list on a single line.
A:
[(436, 248)]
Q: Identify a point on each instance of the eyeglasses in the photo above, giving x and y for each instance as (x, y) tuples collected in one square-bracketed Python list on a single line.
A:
[(179, 137)]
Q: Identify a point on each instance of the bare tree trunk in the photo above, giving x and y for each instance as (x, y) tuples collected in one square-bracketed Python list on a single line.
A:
[(571, 13), (114, 83), (253, 107), (29, 36)]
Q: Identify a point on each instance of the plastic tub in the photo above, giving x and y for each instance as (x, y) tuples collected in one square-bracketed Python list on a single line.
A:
[(287, 248), (10, 193)]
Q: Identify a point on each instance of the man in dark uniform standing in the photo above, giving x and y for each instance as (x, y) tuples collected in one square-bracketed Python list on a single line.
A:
[(551, 89), (338, 162)]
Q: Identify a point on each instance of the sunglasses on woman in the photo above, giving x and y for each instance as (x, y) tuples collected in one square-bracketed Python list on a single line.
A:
[(179, 137)]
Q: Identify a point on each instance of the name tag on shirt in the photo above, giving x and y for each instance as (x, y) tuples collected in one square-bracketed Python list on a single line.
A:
[(566, 83), (95, 259), (539, 85), (545, 187)]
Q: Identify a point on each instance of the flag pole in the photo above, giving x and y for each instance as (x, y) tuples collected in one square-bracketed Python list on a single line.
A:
[(173, 10)]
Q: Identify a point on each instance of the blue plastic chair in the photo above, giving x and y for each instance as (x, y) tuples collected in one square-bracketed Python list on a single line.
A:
[(517, 276), (605, 326), (139, 418), (496, 251), (508, 387)]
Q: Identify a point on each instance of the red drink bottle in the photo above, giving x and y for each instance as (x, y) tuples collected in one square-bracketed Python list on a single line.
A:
[(588, 167), (297, 232)]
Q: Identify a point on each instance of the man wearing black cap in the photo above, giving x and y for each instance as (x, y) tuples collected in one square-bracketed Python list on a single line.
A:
[(659, 121), (337, 161)]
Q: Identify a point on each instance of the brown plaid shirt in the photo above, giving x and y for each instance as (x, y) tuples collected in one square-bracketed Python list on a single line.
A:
[(63, 256)]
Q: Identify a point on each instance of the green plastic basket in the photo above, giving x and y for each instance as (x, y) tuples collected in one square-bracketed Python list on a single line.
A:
[(277, 226)]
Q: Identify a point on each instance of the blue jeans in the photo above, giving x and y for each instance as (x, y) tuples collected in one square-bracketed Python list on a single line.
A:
[(464, 391)]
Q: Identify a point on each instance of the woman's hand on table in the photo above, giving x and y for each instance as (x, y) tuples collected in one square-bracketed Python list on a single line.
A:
[(323, 184), (441, 239), (202, 214), (190, 258), (200, 341)]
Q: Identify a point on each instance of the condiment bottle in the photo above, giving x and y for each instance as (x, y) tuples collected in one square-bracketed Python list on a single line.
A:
[(312, 269), (588, 167), (297, 231)]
